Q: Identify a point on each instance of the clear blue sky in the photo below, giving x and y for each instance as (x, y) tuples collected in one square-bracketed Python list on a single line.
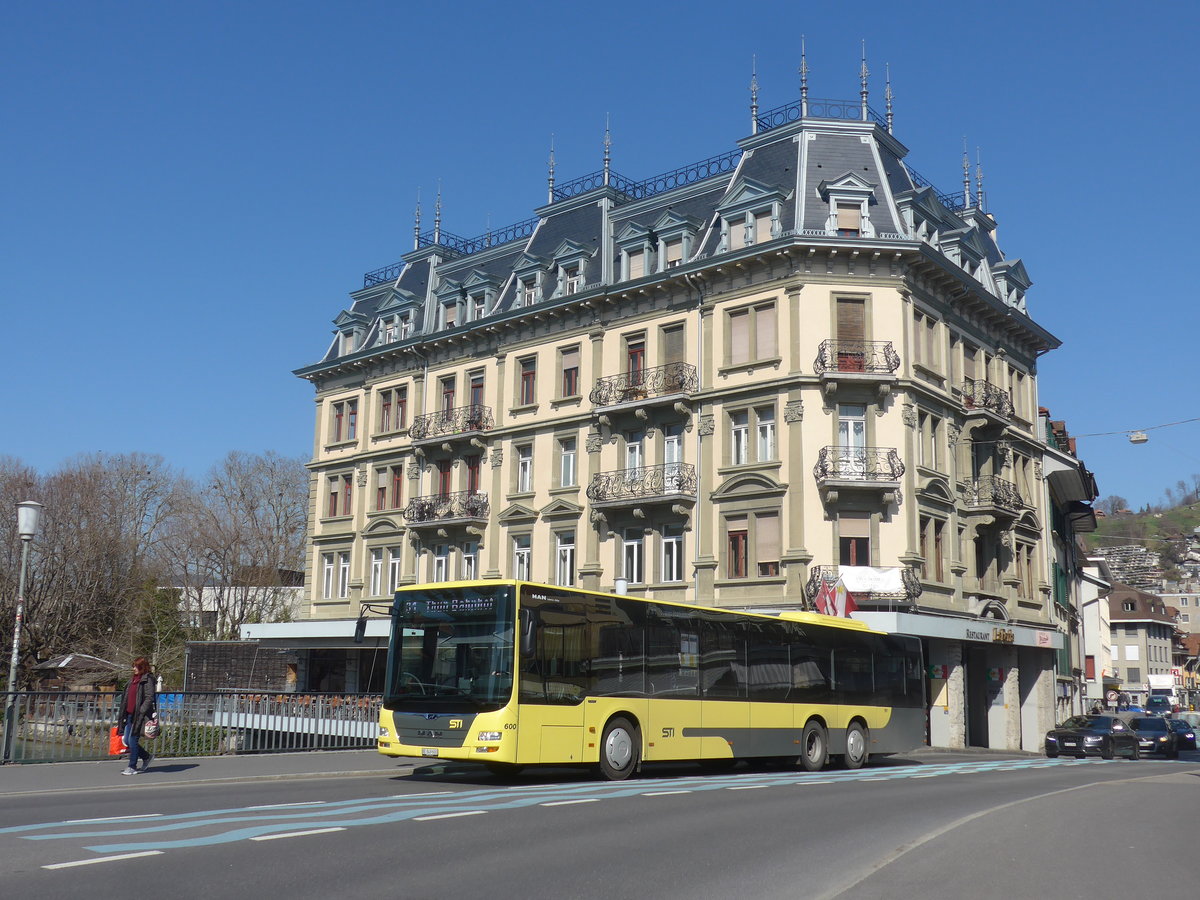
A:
[(191, 190)]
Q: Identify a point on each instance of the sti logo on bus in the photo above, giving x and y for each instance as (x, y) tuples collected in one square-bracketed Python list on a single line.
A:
[(456, 723)]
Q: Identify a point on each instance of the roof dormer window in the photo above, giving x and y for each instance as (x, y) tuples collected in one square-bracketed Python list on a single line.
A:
[(849, 199), (673, 253), (405, 326), (849, 219), (449, 314), (528, 291), (572, 280), (751, 215), (475, 307)]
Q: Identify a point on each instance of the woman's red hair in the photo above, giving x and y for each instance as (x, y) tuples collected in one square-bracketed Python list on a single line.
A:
[(141, 666)]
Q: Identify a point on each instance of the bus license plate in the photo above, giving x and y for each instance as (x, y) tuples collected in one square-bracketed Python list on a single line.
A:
[(429, 751)]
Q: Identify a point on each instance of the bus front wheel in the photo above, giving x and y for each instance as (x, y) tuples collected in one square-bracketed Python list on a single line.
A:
[(816, 747), (620, 750), (856, 746)]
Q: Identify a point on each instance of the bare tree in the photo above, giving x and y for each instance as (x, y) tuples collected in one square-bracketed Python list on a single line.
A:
[(1111, 504), (103, 518), (239, 538)]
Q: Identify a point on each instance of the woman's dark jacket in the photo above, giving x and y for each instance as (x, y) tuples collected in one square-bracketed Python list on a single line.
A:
[(143, 707)]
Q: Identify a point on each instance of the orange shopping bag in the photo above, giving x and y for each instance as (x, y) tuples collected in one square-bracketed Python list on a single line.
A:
[(116, 742)]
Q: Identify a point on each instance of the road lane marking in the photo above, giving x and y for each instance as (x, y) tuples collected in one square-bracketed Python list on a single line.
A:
[(111, 819), (101, 859), (453, 815), (283, 805), (572, 802), (663, 793), (748, 787), (288, 834), (814, 782)]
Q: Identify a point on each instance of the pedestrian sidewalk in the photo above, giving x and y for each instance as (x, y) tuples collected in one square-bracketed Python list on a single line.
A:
[(37, 778)]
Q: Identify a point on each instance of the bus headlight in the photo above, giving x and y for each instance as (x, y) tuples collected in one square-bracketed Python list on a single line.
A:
[(488, 736), (384, 731)]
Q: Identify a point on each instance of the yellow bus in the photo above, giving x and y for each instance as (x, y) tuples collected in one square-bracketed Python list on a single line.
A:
[(510, 673)]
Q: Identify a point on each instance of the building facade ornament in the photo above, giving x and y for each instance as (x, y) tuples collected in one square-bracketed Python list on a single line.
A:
[(793, 411), (908, 413), (707, 426), (497, 457)]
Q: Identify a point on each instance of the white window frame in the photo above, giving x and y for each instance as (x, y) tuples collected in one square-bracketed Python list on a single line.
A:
[(522, 557), (765, 424), (441, 563), (525, 469), (343, 574), (393, 581), (633, 555), (327, 576), (564, 558), (672, 555), (568, 456), (376, 571), (739, 437), (469, 565)]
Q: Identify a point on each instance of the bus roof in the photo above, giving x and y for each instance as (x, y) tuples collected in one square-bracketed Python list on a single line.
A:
[(789, 615)]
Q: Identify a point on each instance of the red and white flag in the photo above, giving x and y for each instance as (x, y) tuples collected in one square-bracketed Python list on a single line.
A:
[(843, 601)]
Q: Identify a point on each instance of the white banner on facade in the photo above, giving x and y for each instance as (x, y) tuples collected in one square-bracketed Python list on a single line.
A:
[(872, 579)]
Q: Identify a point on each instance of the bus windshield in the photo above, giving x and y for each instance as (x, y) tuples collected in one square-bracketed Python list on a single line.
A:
[(451, 650)]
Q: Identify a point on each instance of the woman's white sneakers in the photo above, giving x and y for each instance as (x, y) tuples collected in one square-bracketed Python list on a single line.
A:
[(129, 771)]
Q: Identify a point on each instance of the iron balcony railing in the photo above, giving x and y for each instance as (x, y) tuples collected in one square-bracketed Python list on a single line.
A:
[(76, 725), (910, 586), (868, 464), (871, 357), (978, 394), (992, 491), (458, 420), (817, 109), (673, 378), (441, 507), (643, 482)]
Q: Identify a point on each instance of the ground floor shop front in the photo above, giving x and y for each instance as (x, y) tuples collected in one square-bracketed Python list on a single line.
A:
[(991, 683)]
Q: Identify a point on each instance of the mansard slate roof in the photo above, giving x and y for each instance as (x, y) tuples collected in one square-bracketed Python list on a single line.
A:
[(798, 165)]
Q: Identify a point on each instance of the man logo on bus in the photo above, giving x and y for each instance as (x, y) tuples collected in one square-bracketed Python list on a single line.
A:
[(456, 723)]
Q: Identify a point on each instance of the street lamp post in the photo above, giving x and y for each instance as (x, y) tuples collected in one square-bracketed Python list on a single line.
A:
[(29, 513)]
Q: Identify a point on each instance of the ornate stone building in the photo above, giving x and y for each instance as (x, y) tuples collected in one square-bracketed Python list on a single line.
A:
[(730, 384)]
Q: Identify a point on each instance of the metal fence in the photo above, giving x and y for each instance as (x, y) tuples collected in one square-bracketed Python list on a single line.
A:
[(58, 726)]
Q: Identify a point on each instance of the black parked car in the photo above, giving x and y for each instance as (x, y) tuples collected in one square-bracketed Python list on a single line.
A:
[(1155, 736), (1107, 736), (1185, 734)]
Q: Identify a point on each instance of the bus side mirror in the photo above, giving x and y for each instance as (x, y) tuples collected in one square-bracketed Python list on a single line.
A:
[(526, 624)]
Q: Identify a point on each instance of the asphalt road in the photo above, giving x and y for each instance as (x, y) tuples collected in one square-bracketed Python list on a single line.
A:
[(934, 826)]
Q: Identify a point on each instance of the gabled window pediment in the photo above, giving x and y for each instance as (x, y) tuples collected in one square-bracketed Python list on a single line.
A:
[(748, 194), (571, 252), (397, 301), (517, 512), (559, 509), (348, 319), (848, 184)]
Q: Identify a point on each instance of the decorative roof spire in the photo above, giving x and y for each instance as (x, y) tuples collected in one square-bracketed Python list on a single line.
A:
[(887, 68), (417, 223), (437, 215), (607, 149), (979, 180), (803, 81), (863, 73), (754, 94), (550, 180), (966, 176)]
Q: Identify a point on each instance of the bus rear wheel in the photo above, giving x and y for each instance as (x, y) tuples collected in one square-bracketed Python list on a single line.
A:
[(857, 750), (620, 750), (816, 747)]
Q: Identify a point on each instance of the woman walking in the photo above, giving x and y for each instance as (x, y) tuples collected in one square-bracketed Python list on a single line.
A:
[(137, 707)]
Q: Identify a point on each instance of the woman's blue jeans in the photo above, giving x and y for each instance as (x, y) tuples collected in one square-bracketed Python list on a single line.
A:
[(131, 741)]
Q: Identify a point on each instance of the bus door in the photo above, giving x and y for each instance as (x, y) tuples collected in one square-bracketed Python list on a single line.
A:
[(674, 722), (772, 717), (723, 677), (553, 685)]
